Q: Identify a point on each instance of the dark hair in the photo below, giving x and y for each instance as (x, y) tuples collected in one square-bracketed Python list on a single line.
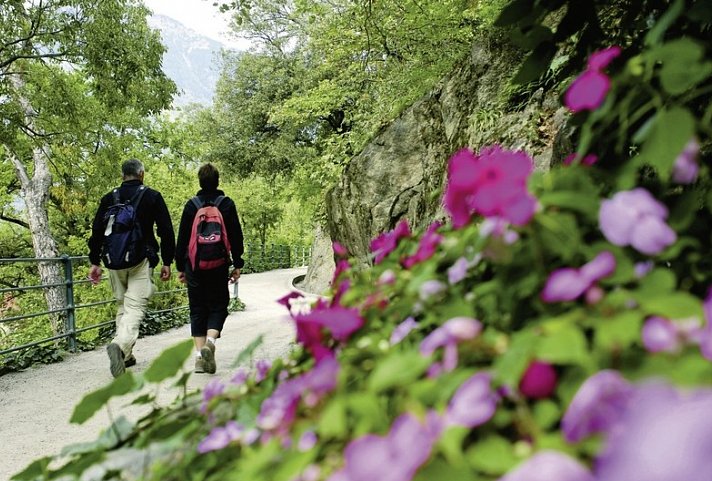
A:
[(208, 176), (132, 168)]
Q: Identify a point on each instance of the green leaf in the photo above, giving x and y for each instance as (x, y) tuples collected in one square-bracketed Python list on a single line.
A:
[(94, 401), (560, 233), (620, 331), (399, 369), (673, 130), (36, 469), (440, 469), (332, 423), (563, 345), (677, 305), (109, 438), (510, 366), (246, 353), (536, 64), (513, 12), (666, 20), (450, 444), (546, 413), (493, 455), (571, 200), (365, 407), (169, 362)]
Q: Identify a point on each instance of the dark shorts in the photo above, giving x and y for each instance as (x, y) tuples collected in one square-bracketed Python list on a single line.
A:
[(208, 298)]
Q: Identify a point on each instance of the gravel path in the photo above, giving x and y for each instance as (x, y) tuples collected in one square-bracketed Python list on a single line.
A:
[(35, 405)]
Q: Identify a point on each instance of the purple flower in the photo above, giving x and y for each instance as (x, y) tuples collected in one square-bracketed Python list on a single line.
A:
[(262, 368), (588, 160), (285, 301), (588, 91), (395, 457), (458, 271), (473, 404), (220, 437), (660, 335), (635, 218), (213, 389), (539, 380), (600, 59), (597, 406), (665, 436), (386, 243), (431, 288), (341, 321), (387, 277), (341, 266), (549, 466), (498, 228), (310, 473), (307, 441), (240, 377), (641, 269), (704, 337), (402, 330), (685, 168), (448, 336), (567, 284), (426, 247)]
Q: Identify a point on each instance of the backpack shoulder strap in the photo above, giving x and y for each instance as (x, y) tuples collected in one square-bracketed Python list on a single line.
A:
[(219, 199), (136, 199), (197, 202), (116, 195)]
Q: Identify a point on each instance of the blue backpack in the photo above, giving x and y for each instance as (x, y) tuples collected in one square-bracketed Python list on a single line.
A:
[(123, 238)]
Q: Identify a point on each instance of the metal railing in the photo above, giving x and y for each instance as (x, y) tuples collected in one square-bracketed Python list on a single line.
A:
[(257, 259)]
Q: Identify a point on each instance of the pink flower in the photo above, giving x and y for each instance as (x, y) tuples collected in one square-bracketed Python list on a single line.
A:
[(589, 89), (402, 330), (262, 368), (386, 243), (341, 266), (340, 321), (474, 403), (285, 301), (427, 246), (685, 169), (492, 183), (388, 277), (549, 466), (636, 218), (448, 336), (221, 437), (339, 249), (568, 284), (660, 335), (539, 380), (597, 406), (307, 441)]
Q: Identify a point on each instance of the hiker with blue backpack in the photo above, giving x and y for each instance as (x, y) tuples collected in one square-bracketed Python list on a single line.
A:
[(122, 238), (208, 257)]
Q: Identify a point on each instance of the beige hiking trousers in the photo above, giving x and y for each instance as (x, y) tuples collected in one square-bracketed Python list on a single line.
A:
[(132, 287)]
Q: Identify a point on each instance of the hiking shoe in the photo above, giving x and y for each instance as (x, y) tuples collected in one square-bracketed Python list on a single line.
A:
[(131, 361), (116, 359), (199, 365), (208, 354)]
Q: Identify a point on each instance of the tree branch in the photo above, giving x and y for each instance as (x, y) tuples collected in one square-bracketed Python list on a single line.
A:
[(14, 221)]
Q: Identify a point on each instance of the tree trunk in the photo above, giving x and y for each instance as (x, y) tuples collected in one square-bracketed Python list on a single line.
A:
[(35, 193)]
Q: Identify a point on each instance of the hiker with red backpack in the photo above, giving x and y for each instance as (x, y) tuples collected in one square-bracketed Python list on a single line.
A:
[(208, 236), (122, 238)]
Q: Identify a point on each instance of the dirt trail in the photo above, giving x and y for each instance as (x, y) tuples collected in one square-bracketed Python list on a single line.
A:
[(35, 405)]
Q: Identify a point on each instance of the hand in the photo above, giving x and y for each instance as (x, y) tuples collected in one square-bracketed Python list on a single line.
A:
[(181, 277), (234, 276), (95, 274), (165, 273)]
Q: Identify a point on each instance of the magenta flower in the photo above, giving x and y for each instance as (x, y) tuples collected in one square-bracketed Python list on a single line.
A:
[(473, 404), (386, 243), (600, 59), (427, 246), (221, 437), (285, 301), (341, 266), (492, 183), (340, 321), (549, 466), (588, 160), (666, 435), (597, 406), (539, 380), (448, 336), (589, 89), (395, 457), (685, 168), (339, 249), (636, 218), (568, 284), (402, 330)]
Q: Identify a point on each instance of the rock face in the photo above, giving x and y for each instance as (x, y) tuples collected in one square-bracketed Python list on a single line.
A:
[(401, 173), (321, 266)]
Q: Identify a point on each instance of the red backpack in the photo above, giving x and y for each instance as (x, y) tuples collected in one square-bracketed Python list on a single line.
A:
[(209, 246)]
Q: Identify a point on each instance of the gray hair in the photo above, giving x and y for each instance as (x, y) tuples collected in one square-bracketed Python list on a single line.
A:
[(132, 168)]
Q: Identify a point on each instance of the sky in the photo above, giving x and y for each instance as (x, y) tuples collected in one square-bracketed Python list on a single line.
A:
[(199, 15)]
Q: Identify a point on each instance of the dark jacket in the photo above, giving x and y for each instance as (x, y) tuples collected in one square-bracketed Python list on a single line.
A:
[(230, 219), (152, 210)]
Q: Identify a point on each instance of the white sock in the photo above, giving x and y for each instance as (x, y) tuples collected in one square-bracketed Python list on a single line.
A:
[(197, 354), (212, 339)]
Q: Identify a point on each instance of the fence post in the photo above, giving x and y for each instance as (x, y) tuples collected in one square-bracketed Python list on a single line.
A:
[(71, 325)]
